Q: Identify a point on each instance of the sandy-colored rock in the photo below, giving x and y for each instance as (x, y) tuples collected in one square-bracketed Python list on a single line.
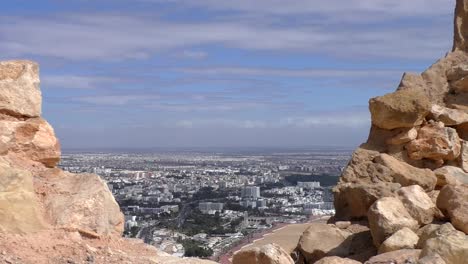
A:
[(82, 202), (406, 174), (450, 175), (418, 203), (427, 232), (19, 83), (450, 244), (432, 259), (435, 142), (321, 240), (268, 254), (464, 156), (386, 216), (402, 256), (337, 260), (403, 108), (453, 202), (450, 117), (404, 137), (404, 238), (342, 224), (19, 208), (33, 139), (352, 200)]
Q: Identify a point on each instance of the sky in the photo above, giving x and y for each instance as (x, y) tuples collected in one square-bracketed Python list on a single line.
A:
[(220, 73)]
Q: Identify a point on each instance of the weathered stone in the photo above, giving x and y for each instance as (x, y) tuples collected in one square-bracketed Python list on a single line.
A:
[(337, 260), (352, 200), (460, 37), (404, 238), (83, 202), (427, 232), (342, 224), (402, 256), (403, 108), (404, 137), (432, 259), (450, 175), (386, 216), (321, 240), (268, 254), (449, 117), (450, 244), (19, 83), (406, 174), (19, 208), (464, 156), (418, 203), (435, 142), (453, 202), (33, 139)]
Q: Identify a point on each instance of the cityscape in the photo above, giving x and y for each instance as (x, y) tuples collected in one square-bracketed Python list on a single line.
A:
[(204, 203)]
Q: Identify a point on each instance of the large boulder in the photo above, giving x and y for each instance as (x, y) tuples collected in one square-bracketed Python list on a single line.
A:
[(448, 116), (404, 238), (353, 200), (404, 108), (33, 139), (418, 203), (435, 142), (451, 245), (268, 254), (406, 174), (20, 210), (450, 175), (402, 256), (321, 240), (19, 85), (453, 202), (386, 216), (432, 259), (81, 202)]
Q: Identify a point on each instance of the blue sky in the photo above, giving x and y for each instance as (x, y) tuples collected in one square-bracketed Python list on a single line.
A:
[(191, 73)]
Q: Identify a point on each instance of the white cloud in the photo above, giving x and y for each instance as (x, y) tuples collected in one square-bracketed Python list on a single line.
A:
[(76, 81)]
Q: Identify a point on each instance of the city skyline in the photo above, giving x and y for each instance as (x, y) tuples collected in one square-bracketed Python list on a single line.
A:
[(181, 73)]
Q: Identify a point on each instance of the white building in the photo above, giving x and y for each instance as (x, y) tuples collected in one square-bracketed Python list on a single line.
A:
[(252, 192)]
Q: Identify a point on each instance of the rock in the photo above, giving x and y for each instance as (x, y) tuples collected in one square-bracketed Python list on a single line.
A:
[(450, 175), (418, 203), (453, 202), (450, 244), (435, 142), (33, 139), (404, 238), (402, 256), (19, 83), (404, 137), (321, 240), (426, 232), (403, 108), (450, 117), (343, 224), (352, 201), (464, 156), (406, 174), (337, 260), (432, 259), (268, 254), (19, 208), (83, 202), (386, 216)]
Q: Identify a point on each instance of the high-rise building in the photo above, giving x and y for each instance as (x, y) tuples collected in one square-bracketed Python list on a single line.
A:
[(252, 192)]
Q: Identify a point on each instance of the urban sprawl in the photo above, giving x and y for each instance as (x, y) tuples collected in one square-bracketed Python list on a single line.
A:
[(204, 203)]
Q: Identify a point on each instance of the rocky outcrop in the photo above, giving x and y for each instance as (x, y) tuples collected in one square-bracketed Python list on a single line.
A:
[(451, 245), (402, 256), (48, 215), (268, 254)]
